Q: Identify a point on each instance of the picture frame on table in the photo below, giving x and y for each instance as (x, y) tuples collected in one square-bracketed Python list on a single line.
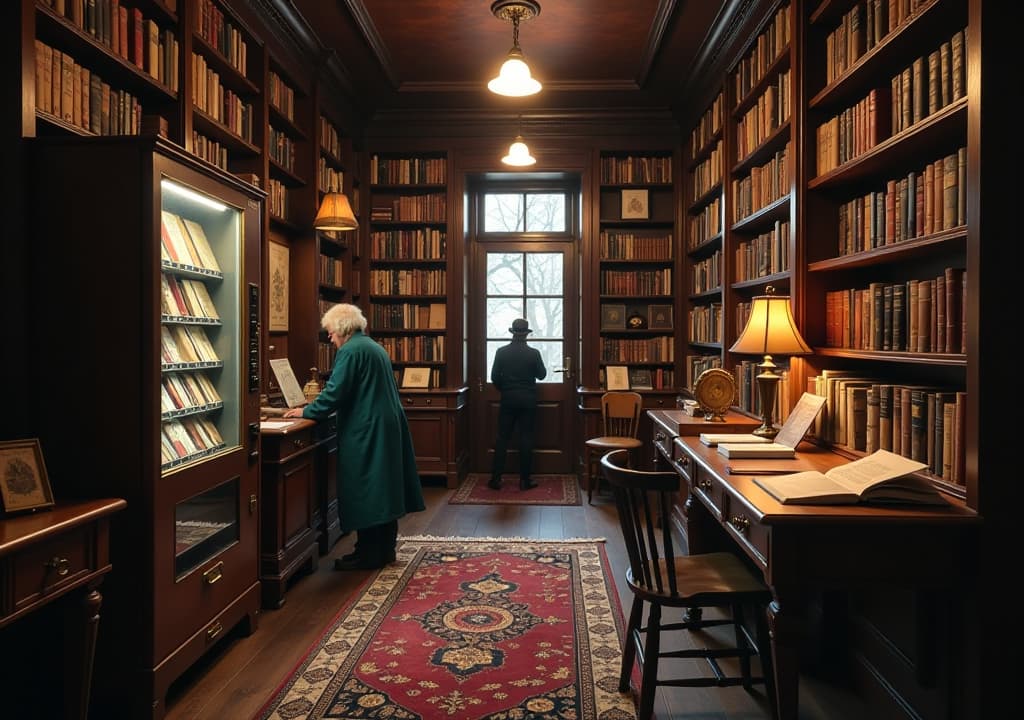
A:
[(416, 377), (24, 484), (635, 204), (616, 377), (659, 317), (640, 379)]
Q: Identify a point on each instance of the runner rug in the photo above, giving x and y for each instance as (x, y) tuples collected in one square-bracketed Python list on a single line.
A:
[(550, 490), (468, 628)]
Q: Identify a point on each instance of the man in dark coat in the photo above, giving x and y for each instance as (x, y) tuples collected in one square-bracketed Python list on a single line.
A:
[(377, 477), (516, 370)]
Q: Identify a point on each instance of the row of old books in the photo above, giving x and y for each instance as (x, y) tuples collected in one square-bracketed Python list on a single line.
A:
[(332, 271), (918, 316), (183, 241), (411, 208), (413, 281), (186, 344), (647, 350), (277, 198), (80, 97), (706, 225), (411, 244), (636, 169), (696, 364), (929, 83), (280, 95), (187, 391), (220, 32), (764, 185), (617, 245), (852, 132), (749, 399), (705, 323), (636, 282), (863, 27), (708, 126), (219, 102), (707, 173), (769, 113), (408, 171), (921, 422), (188, 438), (706, 274), (764, 254), (408, 316), (772, 42), (922, 203), (185, 297), (414, 349), (128, 33)]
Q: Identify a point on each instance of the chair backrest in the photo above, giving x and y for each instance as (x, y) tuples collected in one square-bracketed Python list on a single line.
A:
[(643, 499), (620, 414)]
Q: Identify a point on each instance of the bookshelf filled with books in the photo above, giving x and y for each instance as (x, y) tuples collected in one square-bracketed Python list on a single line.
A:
[(179, 245), (637, 258), (887, 270), (407, 274)]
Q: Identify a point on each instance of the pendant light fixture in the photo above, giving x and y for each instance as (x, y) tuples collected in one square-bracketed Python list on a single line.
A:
[(514, 79), (335, 212), (518, 153)]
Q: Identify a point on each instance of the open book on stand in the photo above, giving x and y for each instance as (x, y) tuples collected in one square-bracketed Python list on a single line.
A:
[(882, 477), (784, 445)]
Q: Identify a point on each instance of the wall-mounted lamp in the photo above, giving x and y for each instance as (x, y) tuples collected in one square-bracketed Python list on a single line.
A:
[(770, 330), (335, 213), (515, 79)]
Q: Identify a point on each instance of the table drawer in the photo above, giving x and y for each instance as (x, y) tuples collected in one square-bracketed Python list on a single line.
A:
[(283, 447), (51, 565), (752, 536)]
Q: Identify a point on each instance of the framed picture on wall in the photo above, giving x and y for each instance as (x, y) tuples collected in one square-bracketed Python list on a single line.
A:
[(416, 377), (617, 377), (635, 205), (24, 484), (277, 264)]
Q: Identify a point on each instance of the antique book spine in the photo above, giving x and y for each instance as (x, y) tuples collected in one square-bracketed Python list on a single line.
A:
[(948, 444), (872, 429), (918, 425)]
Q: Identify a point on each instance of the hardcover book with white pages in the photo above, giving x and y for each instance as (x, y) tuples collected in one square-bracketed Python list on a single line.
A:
[(785, 442)]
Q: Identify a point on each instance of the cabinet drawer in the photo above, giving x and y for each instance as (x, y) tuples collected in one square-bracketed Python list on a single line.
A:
[(51, 565), (752, 536), (282, 447), (422, 401), (711, 491), (663, 443)]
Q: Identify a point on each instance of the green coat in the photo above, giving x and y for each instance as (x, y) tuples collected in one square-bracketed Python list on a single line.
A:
[(377, 477)]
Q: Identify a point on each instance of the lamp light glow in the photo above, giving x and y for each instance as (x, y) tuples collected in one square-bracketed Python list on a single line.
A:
[(182, 191), (335, 213), (519, 154)]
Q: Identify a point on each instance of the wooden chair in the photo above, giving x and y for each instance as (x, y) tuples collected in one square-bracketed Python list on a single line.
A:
[(620, 429), (661, 579)]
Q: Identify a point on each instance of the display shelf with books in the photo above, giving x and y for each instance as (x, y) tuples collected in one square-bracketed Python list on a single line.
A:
[(179, 241), (887, 291), (637, 264), (407, 273), (287, 148), (98, 74)]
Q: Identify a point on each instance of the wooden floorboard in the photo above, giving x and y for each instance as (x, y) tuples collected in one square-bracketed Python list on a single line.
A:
[(234, 681)]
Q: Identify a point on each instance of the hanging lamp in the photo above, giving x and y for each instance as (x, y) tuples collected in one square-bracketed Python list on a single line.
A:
[(514, 78)]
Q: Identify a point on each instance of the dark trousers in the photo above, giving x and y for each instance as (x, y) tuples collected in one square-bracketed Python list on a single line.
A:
[(508, 419), (377, 542)]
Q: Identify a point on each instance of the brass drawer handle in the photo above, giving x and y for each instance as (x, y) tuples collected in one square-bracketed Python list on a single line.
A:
[(704, 484), (214, 574), (61, 565), (299, 443), (659, 437), (214, 630), (741, 524)]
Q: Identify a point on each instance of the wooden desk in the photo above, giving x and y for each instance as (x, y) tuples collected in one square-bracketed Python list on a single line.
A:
[(799, 547), (47, 555)]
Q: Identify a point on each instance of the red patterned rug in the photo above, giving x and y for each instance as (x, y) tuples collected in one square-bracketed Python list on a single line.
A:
[(550, 490), (468, 628)]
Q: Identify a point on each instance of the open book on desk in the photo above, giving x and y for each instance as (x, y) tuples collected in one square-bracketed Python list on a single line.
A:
[(784, 444), (882, 477)]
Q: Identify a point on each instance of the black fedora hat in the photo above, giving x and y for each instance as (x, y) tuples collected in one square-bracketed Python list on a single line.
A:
[(520, 327)]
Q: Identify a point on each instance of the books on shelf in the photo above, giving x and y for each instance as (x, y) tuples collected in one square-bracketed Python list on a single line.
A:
[(882, 477), (784, 444)]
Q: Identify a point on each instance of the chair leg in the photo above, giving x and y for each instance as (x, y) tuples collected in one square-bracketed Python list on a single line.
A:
[(629, 644), (742, 644), (649, 674), (764, 652)]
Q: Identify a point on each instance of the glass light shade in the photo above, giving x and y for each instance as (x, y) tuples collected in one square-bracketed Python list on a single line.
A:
[(770, 329), (518, 154), (514, 79), (335, 213)]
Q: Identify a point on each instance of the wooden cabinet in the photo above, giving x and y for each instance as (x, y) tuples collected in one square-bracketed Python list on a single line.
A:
[(172, 288), (637, 267), (439, 424), (289, 498)]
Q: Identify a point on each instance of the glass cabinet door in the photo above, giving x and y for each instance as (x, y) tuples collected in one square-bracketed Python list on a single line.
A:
[(204, 525)]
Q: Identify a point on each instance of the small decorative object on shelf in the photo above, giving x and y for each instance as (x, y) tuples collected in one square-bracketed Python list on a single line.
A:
[(636, 321), (312, 388), (715, 392)]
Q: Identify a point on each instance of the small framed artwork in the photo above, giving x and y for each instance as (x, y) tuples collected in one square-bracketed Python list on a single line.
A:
[(416, 377), (277, 264), (617, 377), (613, 317), (640, 379), (23, 481), (659, 317), (635, 205)]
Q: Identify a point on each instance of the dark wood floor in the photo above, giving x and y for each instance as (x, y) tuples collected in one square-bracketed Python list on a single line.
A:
[(234, 681)]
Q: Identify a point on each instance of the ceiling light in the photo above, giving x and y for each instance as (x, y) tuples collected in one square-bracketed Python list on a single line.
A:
[(518, 154), (514, 79), (335, 213)]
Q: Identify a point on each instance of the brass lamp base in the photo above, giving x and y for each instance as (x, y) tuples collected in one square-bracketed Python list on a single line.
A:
[(767, 389)]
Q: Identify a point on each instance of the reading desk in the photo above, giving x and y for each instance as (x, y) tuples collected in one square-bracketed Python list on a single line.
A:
[(817, 547)]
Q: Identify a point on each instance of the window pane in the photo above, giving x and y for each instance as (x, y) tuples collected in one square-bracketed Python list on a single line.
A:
[(500, 314), (551, 353), (504, 273), (503, 212), (544, 274), (545, 212), (545, 316)]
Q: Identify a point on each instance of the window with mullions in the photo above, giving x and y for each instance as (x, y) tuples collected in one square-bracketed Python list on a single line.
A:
[(531, 212)]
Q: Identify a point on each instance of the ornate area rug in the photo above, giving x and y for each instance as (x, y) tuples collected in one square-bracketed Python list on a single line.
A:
[(470, 628), (550, 490)]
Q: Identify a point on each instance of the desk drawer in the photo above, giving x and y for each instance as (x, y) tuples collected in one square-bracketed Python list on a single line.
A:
[(423, 400), (51, 565), (752, 536), (711, 492), (283, 447)]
